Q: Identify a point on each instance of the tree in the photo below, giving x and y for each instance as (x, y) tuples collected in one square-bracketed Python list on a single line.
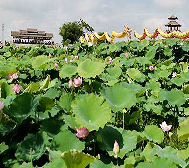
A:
[(73, 30)]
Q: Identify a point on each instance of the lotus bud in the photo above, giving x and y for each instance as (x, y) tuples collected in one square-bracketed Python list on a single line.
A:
[(165, 127), (126, 55), (174, 74), (151, 67), (77, 82), (1, 105), (110, 60), (55, 65), (16, 88), (70, 83), (72, 60), (116, 149), (66, 60), (82, 133), (76, 57)]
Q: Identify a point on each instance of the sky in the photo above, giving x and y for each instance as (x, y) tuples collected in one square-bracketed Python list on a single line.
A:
[(102, 15)]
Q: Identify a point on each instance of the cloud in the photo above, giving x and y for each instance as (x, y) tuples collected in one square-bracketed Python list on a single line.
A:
[(170, 3), (153, 23)]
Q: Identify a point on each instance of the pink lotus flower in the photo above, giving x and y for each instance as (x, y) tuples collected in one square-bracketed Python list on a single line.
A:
[(1, 105), (116, 149), (72, 60), (77, 82), (66, 60), (110, 60), (82, 133), (165, 127), (76, 57), (70, 83), (55, 65), (174, 74), (14, 75), (126, 55), (151, 67), (16, 88)]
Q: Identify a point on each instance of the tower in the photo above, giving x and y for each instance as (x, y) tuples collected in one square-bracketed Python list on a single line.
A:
[(172, 25)]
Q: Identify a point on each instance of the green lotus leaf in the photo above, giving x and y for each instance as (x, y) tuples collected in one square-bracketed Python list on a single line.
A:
[(65, 141), (33, 87), (158, 163), (183, 131), (162, 73), (65, 101), (129, 142), (135, 74), (39, 62), (57, 162), (143, 60), (88, 68), (186, 89), (45, 103), (114, 48), (169, 153), (120, 97), (129, 161), (3, 147), (77, 159), (153, 133), (151, 53), (33, 146), (184, 153), (67, 70), (70, 121), (52, 93), (6, 89), (23, 165), (185, 47), (21, 107), (44, 84), (51, 126), (114, 71), (148, 153), (184, 66), (168, 51), (6, 124), (91, 111), (177, 81), (112, 74), (100, 164), (107, 137), (174, 97)]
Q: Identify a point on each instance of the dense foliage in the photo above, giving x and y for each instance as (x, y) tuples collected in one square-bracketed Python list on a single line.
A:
[(73, 30), (108, 105)]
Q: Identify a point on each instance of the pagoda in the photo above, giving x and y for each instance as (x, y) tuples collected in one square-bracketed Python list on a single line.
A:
[(172, 25)]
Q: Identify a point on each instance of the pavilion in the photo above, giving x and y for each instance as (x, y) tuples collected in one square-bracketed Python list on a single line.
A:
[(172, 25), (32, 36)]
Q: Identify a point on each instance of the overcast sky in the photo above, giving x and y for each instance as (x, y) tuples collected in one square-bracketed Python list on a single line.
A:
[(102, 15)]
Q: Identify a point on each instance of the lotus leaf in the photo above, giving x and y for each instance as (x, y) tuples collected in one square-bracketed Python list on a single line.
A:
[(153, 133), (88, 68), (77, 159), (67, 71), (120, 96), (91, 111)]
